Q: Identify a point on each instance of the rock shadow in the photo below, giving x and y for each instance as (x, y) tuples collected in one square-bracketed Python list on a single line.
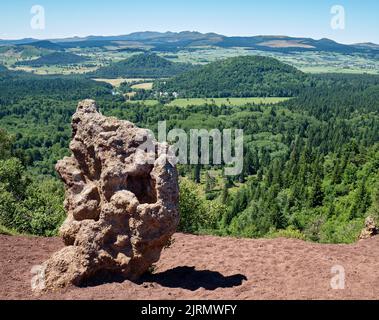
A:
[(191, 279), (102, 277)]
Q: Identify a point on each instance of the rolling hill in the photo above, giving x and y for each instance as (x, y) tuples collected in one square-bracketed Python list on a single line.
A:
[(286, 44), (45, 44), (249, 76), (143, 66), (55, 58), (367, 45)]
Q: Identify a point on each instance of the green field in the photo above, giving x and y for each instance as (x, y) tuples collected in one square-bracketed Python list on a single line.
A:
[(145, 102), (217, 101), (55, 69), (224, 101), (311, 62)]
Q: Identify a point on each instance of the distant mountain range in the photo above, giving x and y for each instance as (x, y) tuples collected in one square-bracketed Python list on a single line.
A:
[(172, 41)]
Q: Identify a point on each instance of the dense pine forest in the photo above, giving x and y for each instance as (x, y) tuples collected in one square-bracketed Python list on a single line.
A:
[(145, 65), (248, 76), (55, 58), (311, 164)]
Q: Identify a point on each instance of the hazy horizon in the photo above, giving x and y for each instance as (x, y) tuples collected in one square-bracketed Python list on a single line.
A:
[(293, 18), (145, 31)]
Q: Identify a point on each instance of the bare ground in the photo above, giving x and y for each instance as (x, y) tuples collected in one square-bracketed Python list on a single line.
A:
[(205, 267)]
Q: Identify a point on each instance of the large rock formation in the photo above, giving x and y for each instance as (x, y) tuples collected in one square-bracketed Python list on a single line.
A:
[(121, 210)]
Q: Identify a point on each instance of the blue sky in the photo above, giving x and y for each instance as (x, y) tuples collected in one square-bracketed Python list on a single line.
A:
[(233, 17)]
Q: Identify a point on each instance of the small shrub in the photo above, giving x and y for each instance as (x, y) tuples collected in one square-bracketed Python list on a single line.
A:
[(7, 232), (290, 233)]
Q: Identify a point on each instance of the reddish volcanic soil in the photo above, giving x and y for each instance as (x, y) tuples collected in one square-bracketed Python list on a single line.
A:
[(204, 267)]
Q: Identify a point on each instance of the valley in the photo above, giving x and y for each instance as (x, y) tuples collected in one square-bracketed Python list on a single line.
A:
[(303, 53), (310, 121)]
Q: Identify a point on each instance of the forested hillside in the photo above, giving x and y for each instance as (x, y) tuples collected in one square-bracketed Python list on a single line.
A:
[(35, 115), (311, 164), (146, 65), (43, 44), (55, 58), (249, 76)]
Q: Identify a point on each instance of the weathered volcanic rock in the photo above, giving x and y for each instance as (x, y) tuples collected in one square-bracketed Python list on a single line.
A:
[(370, 229), (121, 211)]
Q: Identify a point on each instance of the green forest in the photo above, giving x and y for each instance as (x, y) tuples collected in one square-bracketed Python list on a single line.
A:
[(247, 76), (55, 58), (145, 65), (311, 163)]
